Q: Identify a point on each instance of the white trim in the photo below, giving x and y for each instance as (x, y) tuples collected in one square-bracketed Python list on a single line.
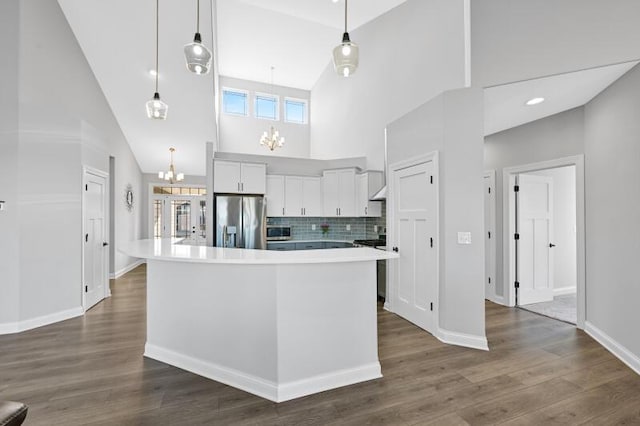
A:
[(395, 167), (508, 226), (128, 268), (264, 388), (621, 352), (564, 290), (29, 324), (491, 175), (467, 43), (463, 339)]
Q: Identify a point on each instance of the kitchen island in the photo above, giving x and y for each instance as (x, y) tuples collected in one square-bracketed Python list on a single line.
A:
[(280, 325)]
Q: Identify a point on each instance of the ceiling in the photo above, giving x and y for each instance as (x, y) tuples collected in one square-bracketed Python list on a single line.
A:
[(118, 38), (505, 105)]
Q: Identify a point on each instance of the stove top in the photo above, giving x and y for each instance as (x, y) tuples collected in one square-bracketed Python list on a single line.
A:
[(371, 243)]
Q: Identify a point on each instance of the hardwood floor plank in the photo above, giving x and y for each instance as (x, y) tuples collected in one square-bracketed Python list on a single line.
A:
[(90, 371)]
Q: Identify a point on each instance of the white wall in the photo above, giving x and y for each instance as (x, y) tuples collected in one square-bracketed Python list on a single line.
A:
[(565, 277), (242, 134), (452, 124), (514, 40), (407, 56), (612, 151), (64, 123), (558, 136), (9, 241)]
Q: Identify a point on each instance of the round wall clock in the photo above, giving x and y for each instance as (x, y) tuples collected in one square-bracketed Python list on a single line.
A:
[(128, 197)]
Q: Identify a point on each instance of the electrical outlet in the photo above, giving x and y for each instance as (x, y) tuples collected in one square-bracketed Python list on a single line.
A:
[(464, 237), (375, 228), (1, 205), (313, 227), (348, 227)]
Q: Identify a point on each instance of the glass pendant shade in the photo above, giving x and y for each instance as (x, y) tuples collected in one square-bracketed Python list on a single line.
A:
[(197, 55), (345, 57), (156, 109)]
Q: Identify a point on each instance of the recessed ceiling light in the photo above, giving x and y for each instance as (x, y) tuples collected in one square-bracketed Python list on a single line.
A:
[(153, 73), (534, 101)]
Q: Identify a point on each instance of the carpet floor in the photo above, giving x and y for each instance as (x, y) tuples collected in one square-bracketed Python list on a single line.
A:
[(563, 308)]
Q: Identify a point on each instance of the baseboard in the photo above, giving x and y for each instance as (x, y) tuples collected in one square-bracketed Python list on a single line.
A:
[(128, 268), (263, 388), (564, 290), (29, 324), (622, 353), (498, 299), (462, 339), (321, 383)]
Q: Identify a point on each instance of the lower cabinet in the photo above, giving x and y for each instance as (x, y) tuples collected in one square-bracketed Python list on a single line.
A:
[(310, 245)]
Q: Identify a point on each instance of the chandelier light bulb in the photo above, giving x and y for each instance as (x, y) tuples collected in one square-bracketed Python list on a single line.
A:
[(346, 49)]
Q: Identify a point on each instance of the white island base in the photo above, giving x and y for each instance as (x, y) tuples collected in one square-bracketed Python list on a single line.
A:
[(277, 330)]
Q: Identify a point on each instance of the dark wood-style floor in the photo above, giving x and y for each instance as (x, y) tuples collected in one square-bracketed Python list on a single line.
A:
[(90, 370)]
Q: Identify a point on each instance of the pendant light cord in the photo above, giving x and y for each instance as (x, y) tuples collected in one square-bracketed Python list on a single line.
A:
[(157, 32), (198, 16), (345, 16)]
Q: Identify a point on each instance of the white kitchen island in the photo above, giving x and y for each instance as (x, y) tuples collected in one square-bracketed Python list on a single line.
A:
[(280, 325)]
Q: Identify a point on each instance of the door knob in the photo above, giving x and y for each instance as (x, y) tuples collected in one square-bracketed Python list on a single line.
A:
[(105, 244), (551, 245)]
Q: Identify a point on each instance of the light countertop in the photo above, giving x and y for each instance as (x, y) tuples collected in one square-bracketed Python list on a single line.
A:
[(167, 249)]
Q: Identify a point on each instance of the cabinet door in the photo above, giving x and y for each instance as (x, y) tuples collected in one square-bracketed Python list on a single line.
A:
[(347, 193), (275, 196), (226, 177), (254, 178), (312, 197), (293, 189), (362, 194), (330, 199)]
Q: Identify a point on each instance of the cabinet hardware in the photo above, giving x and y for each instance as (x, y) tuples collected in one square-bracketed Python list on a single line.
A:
[(551, 245), (283, 211), (396, 249), (366, 210)]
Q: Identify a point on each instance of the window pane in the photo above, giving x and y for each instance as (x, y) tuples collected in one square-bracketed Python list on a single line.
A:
[(266, 107), (157, 218), (295, 112), (234, 102)]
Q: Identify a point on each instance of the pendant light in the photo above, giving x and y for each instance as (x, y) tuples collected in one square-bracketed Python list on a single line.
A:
[(345, 55), (197, 55), (271, 139), (171, 175), (156, 109)]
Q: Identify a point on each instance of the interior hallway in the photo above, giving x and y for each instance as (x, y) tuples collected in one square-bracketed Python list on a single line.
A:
[(90, 370)]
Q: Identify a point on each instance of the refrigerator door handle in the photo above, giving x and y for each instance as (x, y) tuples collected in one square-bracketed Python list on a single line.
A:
[(225, 236)]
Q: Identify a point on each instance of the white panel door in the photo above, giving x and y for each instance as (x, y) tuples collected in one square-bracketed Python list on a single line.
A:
[(95, 243), (415, 285), (254, 178), (489, 239), (294, 188), (226, 177), (312, 197), (535, 228), (275, 196)]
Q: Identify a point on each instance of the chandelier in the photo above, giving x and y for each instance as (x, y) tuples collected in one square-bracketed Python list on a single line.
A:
[(272, 140), (171, 175)]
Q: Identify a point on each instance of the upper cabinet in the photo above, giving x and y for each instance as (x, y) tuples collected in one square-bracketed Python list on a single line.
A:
[(239, 178), (275, 196), (367, 184), (303, 196), (339, 193)]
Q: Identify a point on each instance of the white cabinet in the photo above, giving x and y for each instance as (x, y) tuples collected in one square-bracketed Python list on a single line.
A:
[(239, 178), (367, 184), (275, 196), (303, 196), (339, 193)]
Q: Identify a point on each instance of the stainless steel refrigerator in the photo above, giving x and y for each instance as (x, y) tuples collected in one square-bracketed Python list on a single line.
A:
[(241, 221)]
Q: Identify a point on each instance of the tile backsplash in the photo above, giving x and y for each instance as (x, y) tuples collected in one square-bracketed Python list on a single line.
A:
[(361, 227)]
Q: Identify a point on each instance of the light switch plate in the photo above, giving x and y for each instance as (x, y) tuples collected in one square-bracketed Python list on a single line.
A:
[(1, 205), (464, 237), (313, 227)]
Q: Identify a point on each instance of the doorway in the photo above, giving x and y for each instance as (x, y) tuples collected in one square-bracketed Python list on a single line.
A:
[(545, 238), (181, 215), (95, 253), (414, 217)]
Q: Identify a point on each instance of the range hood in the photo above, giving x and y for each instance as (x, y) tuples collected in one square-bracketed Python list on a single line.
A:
[(382, 193)]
